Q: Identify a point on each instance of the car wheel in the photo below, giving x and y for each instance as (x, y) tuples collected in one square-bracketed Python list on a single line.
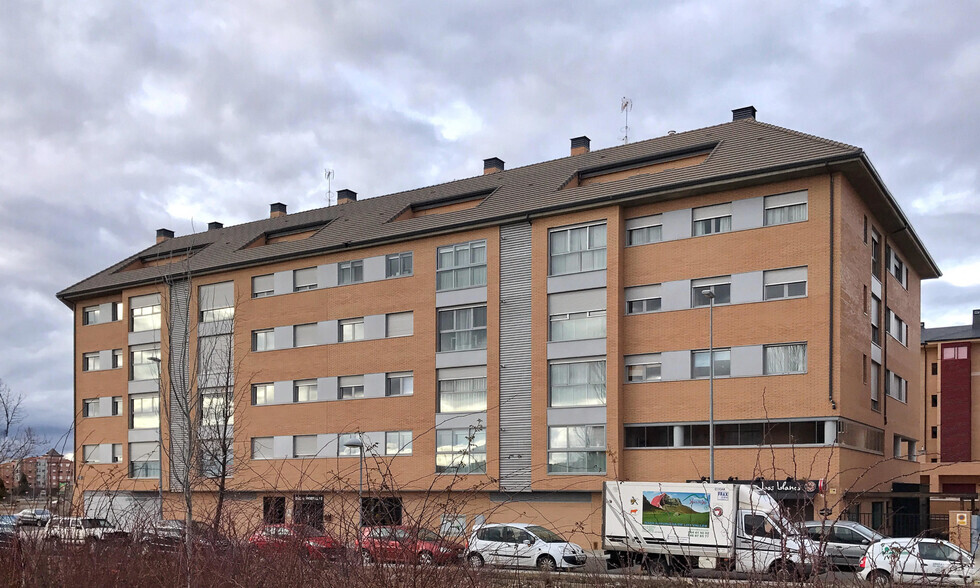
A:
[(655, 566), (426, 559), (546, 563), (785, 570), (366, 556), (475, 560), (880, 579)]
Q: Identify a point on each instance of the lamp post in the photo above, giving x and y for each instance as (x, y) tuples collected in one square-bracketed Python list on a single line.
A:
[(159, 363), (710, 295), (352, 443)]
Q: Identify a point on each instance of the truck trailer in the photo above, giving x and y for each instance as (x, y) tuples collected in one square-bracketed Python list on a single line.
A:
[(674, 527)]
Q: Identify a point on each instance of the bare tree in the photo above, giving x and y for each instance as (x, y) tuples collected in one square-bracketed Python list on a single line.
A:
[(15, 443), (11, 411)]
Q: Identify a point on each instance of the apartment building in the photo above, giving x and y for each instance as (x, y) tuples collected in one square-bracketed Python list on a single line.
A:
[(46, 474), (952, 449), (503, 344)]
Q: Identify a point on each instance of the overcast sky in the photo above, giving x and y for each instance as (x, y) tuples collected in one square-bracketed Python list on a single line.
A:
[(120, 118)]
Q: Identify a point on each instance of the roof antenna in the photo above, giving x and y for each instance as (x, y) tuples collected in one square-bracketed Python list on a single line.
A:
[(625, 107), (328, 175)]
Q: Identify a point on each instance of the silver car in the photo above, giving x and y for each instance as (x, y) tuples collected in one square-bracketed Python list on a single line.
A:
[(843, 542)]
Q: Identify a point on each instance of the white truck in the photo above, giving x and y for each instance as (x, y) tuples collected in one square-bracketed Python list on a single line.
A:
[(675, 527)]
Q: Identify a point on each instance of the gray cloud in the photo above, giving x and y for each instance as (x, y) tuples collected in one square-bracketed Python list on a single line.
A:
[(119, 118)]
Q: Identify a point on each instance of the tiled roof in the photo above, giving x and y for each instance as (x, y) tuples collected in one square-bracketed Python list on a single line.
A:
[(737, 149), (957, 333)]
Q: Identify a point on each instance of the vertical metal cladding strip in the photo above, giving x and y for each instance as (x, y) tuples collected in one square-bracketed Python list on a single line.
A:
[(515, 358), (179, 382)]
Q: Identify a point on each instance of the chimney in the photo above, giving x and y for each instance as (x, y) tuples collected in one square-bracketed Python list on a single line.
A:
[(214, 225), (346, 196), (493, 165), (277, 209), (976, 318), (164, 234), (744, 112), (580, 145)]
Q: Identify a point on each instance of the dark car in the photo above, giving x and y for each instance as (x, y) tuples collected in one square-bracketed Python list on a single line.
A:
[(302, 539), (170, 535), (407, 545)]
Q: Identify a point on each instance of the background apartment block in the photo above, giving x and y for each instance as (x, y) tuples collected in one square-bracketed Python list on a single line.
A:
[(521, 336), (46, 474)]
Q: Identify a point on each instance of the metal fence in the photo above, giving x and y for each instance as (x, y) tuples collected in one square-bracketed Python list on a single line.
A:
[(904, 524)]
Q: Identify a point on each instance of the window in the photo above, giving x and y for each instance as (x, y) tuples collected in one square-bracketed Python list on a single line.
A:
[(262, 448), (862, 437), (897, 386), (350, 272), (709, 220), (935, 432), (117, 453), (398, 443), (217, 458), (264, 340), (399, 384), (786, 208), (785, 283), (352, 329), (343, 450), (462, 389), (700, 367), (304, 335), (640, 231), (90, 362), (745, 433), (720, 286), (117, 311), (897, 267), (304, 279), (117, 405), (461, 451), (935, 368), (90, 454), (865, 229), (304, 446), (897, 328), (217, 302), (935, 401), (785, 359), (90, 407), (954, 352), (144, 411), (398, 265), (217, 409), (214, 356), (262, 394), (578, 249), (635, 437), (144, 313), (144, 362), (577, 449), (90, 315), (263, 286), (875, 254), (462, 329), (350, 387), (642, 299), (581, 383), (643, 368), (117, 358), (578, 325), (304, 391), (144, 460), (399, 324), (875, 320), (461, 266), (875, 384)]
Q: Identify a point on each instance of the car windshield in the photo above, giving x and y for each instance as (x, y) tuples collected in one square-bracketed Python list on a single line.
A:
[(427, 535), (8, 519), (95, 524), (546, 535)]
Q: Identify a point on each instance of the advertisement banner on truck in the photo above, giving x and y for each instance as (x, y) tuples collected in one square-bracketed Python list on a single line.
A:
[(676, 509)]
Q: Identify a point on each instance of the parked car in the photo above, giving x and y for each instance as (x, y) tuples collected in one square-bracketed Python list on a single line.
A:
[(843, 542), (918, 560), (169, 535), (306, 540), (34, 516), (77, 530), (523, 545), (407, 544), (9, 537)]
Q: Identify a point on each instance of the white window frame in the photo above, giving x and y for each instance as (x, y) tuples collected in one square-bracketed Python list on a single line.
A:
[(144, 410), (455, 375), (353, 386), (648, 297), (896, 386), (897, 328), (305, 390), (91, 362), (146, 312), (354, 333), (476, 271), (403, 269), (401, 378), (305, 279), (264, 443), (785, 201), (474, 331), (601, 397), (263, 340), (476, 445), (89, 453), (786, 278), (592, 247), (392, 318), (697, 286), (117, 406), (643, 368), (398, 443), (263, 394), (556, 448), (641, 227), (584, 316), (307, 330), (714, 362), (766, 370), (211, 310), (345, 451), (117, 359), (350, 272), (712, 218), (90, 315), (264, 292), (138, 353), (306, 454), (90, 408)]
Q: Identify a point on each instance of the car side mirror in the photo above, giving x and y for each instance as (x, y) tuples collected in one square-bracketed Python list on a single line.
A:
[(865, 542), (528, 542)]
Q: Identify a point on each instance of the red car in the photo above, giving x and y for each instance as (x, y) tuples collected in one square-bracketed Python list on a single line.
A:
[(303, 539), (407, 545)]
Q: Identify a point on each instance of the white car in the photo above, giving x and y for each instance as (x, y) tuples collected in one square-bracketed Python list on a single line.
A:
[(522, 545), (930, 561), (75, 530)]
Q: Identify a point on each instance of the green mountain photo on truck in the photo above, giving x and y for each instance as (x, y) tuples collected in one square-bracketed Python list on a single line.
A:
[(677, 509)]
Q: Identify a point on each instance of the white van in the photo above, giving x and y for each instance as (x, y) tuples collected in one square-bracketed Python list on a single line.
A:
[(522, 545)]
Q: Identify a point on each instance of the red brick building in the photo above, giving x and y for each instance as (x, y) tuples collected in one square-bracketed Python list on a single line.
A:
[(45, 473)]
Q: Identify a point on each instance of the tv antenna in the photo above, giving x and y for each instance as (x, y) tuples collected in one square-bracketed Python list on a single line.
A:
[(625, 107), (328, 175)]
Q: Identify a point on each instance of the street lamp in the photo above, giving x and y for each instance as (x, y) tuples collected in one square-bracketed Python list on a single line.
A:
[(710, 295), (352, 443), (159, 363)]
